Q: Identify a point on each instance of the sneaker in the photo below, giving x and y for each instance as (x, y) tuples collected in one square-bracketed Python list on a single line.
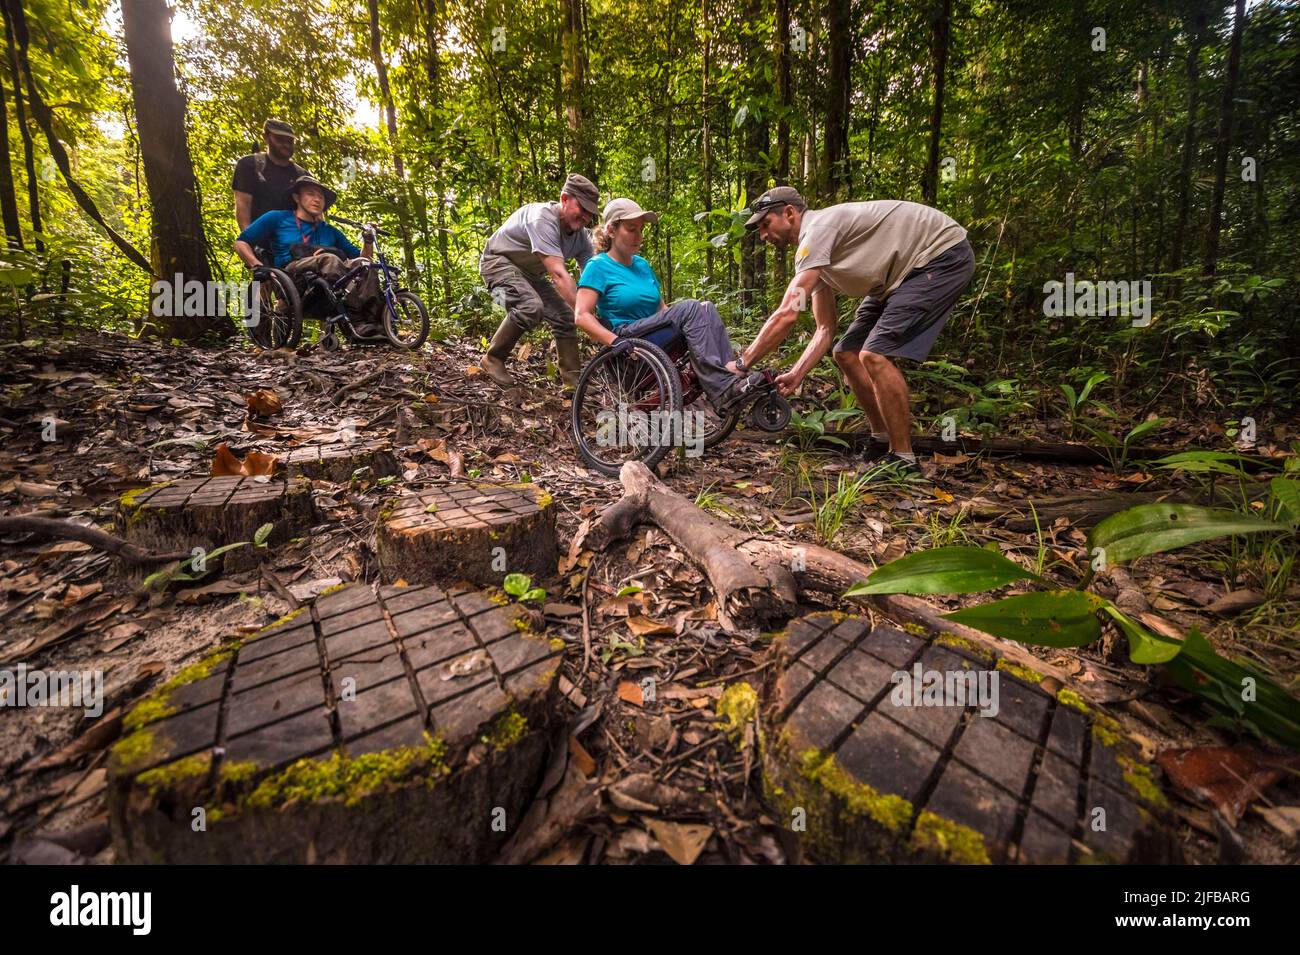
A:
[(748, 388), (872, 449), (895, 469)]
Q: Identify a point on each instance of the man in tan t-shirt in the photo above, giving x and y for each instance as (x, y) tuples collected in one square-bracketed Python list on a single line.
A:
[(909, 263)]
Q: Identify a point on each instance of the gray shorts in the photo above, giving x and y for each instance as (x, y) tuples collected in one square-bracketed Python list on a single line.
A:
[(906, 324)]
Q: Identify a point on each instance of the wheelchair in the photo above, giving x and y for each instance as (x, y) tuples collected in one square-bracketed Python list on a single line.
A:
[(283, 304), (639, 401)]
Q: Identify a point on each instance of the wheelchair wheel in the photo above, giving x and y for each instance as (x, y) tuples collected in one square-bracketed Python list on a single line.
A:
[(717, 428), (619, 408), (279, 312), (409, 327)]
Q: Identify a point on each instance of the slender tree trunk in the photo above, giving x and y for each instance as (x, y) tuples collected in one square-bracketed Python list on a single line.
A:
[(1189, 142), (753, 260), (432, 22), (24, 133), (179, 246), (8, 198), (838, 176), (705, 110), (939, 52), (669, 58), (575, 78), (1224, 141), (390, 119), (780, 269)]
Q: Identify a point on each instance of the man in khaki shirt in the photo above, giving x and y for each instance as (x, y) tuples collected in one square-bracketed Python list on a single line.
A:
[(908, 262)]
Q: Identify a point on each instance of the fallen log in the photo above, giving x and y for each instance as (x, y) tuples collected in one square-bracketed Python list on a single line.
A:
[(66, 530), (757, 581)]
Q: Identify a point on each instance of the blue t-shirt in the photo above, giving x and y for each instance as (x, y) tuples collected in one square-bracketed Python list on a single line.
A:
[(625, 293), (280, 229)]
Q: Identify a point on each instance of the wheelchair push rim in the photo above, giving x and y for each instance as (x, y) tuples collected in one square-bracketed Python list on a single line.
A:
[(279, 319), (614, 405)]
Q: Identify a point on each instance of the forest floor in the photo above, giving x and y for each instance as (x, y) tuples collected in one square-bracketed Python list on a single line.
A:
[(127, 414)]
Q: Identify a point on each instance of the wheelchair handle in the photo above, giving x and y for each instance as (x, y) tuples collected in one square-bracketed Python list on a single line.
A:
[(360, 225)]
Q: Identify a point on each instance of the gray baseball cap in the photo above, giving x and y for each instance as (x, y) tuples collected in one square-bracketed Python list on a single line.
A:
[(584, 190), (774, 198), (617, 210)]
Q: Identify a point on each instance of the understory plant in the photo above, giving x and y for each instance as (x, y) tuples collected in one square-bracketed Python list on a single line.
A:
[(1054, 617)]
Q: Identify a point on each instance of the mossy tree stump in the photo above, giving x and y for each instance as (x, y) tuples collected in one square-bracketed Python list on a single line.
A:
[(468, 531), (213, 511), (408, 726), (339, 462), (1044, 779)]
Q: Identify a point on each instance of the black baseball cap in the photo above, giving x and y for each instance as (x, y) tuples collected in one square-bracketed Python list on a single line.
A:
[(774, 198), (278, 127)]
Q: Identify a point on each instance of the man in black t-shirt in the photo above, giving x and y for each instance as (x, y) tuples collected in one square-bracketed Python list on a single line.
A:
[(262, 180)]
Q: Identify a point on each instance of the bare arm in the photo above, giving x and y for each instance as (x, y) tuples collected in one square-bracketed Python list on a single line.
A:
[(828, 319), (778, 325), (243, 209), (246, 254), (561, 278), (584, 314)]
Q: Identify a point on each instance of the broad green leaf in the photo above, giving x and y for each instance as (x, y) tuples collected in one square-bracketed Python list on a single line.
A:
[(1218, 462), (1286, 491), (629, 590), (1154, 528), (217, 552), (1049, 618), (1143, 646), (263, 533), (516, 585), (943, 570), (536, 595), (1221, 683), (1145, 428)]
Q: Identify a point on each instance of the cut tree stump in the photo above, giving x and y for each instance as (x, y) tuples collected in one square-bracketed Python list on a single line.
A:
[(338, 462), (468, 531), (213, 511), (870, 777), (407, 726)]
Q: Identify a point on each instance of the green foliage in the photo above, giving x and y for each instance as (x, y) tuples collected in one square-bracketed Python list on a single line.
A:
[(521, 587)]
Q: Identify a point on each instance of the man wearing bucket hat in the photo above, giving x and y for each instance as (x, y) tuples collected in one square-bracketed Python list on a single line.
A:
[(302, 241), (524, 268), (908, 262), (261, 179), (619, 297)]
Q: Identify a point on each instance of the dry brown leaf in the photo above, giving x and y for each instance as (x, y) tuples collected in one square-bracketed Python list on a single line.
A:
[(263, 403), (226, 464), (682, 841), (581, 758), (649, 627), (630, 692), (1227, 778), (77, 593)]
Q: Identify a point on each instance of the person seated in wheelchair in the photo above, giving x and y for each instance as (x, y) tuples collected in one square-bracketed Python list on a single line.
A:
[(619, 297), (304, 245)]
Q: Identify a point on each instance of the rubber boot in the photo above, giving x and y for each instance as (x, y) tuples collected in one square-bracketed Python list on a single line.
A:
[(493, 362), (570, 363)]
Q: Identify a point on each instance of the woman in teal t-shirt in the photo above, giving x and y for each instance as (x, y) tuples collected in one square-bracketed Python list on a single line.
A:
[(619, 297)]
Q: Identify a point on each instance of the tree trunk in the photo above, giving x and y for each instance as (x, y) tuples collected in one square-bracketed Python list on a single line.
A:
[(707, 158), (780, 269), (575, 78), (1189, 142), (837, 174), (390, 118), (179, 246), (939, 54), (8, 198), (1224, 140), (753, 257), (24, 133)]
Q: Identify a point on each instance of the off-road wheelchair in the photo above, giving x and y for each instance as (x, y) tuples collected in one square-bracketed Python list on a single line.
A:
[(284, 301), (639, 398)]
